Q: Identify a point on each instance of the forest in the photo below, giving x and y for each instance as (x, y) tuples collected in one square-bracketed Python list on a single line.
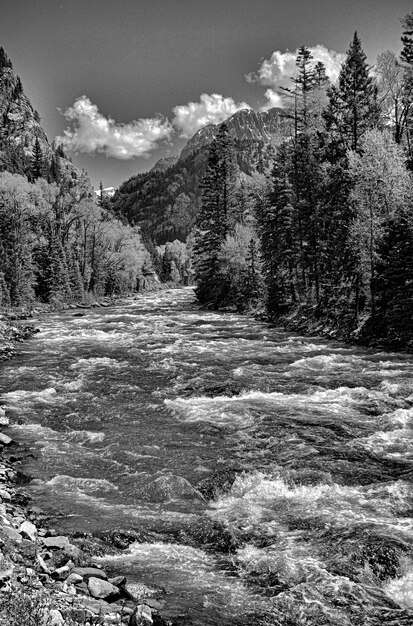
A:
[(59, 242), (325, 235)]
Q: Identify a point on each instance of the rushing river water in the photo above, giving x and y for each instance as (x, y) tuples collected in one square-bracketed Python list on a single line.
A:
[(130, 411)]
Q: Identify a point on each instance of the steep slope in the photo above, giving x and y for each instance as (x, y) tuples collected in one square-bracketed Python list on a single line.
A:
[(21, 134), (164, 202)]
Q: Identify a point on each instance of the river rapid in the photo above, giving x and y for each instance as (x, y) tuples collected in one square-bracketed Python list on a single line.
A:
[(269, 474)]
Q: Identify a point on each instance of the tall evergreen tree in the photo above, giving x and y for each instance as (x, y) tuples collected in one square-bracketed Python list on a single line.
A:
[(213, 219), (352, 107), (38, 161)]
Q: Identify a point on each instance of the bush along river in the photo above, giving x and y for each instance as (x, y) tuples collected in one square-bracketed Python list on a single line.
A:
[(248, 475)]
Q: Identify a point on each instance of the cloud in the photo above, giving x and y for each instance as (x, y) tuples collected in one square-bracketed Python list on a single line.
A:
[(273, 100), (276, 72), (211, 109), (91, 132)]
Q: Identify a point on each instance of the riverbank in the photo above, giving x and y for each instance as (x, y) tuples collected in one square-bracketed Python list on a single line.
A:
[(49, 579), (368, 330)]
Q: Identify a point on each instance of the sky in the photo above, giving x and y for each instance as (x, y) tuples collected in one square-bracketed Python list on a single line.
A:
[(123, 82)]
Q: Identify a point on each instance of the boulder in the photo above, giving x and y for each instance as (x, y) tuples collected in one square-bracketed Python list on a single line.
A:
[(55, 618), (5, 440), (102, 590), (61, 573), (11, 533), (42, 564), (67, 549), (56, 543), (136, 591), (4, 420), (88, 572), (169, 487), (74, 579), (29, 530), (142, 616), (118, 581)]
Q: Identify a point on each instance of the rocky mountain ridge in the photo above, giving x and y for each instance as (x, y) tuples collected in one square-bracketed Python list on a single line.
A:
[(164, 201)]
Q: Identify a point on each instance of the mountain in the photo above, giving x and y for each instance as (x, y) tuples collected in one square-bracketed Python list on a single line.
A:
[(23, 143), (164, 163), (164, 201)]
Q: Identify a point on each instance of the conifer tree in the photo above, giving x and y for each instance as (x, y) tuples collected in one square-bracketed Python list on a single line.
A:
[(406, 57), (352, 107), (38, 162), (212, 223)]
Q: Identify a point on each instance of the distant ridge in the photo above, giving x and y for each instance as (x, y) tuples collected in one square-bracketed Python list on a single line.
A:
[(164, 201)]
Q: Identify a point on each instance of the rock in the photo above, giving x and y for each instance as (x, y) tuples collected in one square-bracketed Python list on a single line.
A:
[(58, 543), (42, 564), (102, 590), (55, 618), (142, 616), (68, 550), (169, 487), (5, 440), (96, 607), (11, 533), (27, 529), (73, 579), (30, 572), (5, 495), (118, 581), (88, 572), (61, 573), (82, 589), (4, 420), (137, 591), (154, 604)]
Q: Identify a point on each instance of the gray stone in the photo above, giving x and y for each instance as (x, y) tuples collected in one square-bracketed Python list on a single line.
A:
[(11, 533), (42, 564), (29, 530), (87, 572), (55, 618), (59, 543), (142, 616), (73, 579), (118, 581), (5, 439), (4, 420), (61, 573), (5, 495), (137, 591), (101, 589)]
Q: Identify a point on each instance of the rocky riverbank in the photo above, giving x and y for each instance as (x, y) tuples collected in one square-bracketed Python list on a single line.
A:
[(47, 579)]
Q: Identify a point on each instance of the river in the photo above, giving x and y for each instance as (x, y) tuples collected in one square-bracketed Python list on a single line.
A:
[(130, 410)]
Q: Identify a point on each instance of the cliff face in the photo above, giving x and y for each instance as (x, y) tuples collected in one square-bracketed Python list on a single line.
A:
[(20, 129), (164, 202)]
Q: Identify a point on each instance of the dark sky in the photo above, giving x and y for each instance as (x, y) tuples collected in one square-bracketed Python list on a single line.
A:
[(133, 59)]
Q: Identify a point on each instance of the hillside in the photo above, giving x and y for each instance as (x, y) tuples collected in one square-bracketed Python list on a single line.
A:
[(164, 202), (58, 244)]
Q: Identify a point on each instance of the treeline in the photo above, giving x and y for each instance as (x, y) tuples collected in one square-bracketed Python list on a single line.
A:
[(327, 234), (57, 242)]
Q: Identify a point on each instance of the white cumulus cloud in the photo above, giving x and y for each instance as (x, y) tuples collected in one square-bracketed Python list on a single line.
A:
[(211, 109), (273, 100), (277, 71), (89, 131)]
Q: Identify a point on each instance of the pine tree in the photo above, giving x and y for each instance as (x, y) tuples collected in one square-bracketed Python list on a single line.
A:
[(352, 107), (38, 162), (406, 57), (212, 222)]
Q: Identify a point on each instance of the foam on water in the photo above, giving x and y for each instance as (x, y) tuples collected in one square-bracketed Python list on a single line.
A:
[(395, 444), (401, 589), (258, 500)]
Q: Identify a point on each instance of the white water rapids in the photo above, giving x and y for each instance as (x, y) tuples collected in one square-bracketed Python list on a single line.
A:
[(138, 414)]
